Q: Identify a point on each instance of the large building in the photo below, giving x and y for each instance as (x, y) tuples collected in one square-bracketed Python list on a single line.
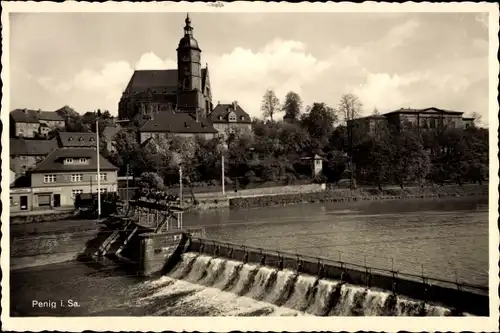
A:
[(182, 92), (49, 173), (230, 118), (427, 119), (25, 123), (64, 173)]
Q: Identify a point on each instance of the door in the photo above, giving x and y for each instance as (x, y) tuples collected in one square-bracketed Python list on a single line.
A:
[(24, 202), (57, 200)]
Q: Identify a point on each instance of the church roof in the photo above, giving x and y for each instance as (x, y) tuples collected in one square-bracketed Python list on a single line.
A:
[(160, 81), (221, 112), (177, 122)]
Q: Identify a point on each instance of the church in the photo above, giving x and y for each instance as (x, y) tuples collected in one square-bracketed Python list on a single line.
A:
[(181, 96)]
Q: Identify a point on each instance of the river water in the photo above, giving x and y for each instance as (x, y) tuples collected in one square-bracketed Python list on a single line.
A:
[(446, 238)]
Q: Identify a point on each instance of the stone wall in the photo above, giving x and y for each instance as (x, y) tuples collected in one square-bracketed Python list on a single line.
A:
[(38, 250), (343, 195)]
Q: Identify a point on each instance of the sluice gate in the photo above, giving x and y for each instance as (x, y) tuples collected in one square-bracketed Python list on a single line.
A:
[(462, 297)]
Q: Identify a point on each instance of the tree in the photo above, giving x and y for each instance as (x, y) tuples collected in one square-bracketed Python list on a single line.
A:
[(375, 112), (350, 109), (477, 118), (373, 159), (270, 105), (319, 122), (151, 181), (292, 106), (73, 120), (410, 160)]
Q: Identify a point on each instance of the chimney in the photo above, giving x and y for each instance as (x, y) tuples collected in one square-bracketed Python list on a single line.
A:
[(25, 110), (218, 102), (235, 105)]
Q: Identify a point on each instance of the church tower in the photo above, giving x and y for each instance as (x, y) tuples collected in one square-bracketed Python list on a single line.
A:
[(190, 96)]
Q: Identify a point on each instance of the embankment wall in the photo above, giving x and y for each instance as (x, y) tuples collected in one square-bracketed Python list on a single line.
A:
[(346, 195), (433, 291), (38, 250)]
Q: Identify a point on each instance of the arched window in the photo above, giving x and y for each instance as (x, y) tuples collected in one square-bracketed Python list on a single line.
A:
[(432, 123)]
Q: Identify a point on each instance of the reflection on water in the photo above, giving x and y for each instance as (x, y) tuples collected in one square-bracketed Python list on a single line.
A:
[(450, 238)]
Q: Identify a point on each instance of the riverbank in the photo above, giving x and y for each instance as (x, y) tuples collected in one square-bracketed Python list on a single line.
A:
[(346, 195)]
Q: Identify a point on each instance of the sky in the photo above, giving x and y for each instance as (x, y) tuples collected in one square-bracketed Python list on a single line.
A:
[(389, 60)]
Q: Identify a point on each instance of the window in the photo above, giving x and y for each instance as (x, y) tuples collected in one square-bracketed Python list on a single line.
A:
[(76, 177), (49, 178), (103, 190), (242, 118), (22, 157), (69, 160), (11, 201), (75, 192), (83, 160), (432, 123), (104, 176)]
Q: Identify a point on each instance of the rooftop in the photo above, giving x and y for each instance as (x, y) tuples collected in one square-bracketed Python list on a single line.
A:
[(425, 110), (177, 122), (77, 139), (34, 116), (54, 161), (157, 80), (24, 147), (221, 112)]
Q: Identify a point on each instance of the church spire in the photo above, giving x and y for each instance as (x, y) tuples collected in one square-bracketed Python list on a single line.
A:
[(188, 29)]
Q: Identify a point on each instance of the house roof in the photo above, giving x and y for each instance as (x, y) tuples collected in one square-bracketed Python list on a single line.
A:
[(26, 147), (76, 139), (429, 110), (221, 112), (377, 117), (177, 122), (34, 116), (160, 81), (54, 161)]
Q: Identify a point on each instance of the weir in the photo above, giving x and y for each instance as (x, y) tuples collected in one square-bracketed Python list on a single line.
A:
[(147, 238), (459, 297)]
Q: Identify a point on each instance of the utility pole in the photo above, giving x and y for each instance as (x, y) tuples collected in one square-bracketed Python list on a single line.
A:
[(126, 186), (179, 217), (180, 186), (223, 180), (98, 172)]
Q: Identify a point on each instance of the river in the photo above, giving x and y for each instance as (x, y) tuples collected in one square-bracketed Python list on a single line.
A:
[(446, 238)]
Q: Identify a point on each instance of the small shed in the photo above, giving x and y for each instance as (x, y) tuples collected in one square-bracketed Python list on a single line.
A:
[(316, 163)]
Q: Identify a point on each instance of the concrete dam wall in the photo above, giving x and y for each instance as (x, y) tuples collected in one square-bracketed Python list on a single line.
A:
[(461, 298)]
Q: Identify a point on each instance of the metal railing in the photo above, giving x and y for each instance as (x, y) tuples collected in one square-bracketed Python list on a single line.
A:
[(343, 264)]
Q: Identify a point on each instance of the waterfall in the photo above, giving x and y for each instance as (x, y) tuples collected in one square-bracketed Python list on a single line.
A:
[(285, 289)]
